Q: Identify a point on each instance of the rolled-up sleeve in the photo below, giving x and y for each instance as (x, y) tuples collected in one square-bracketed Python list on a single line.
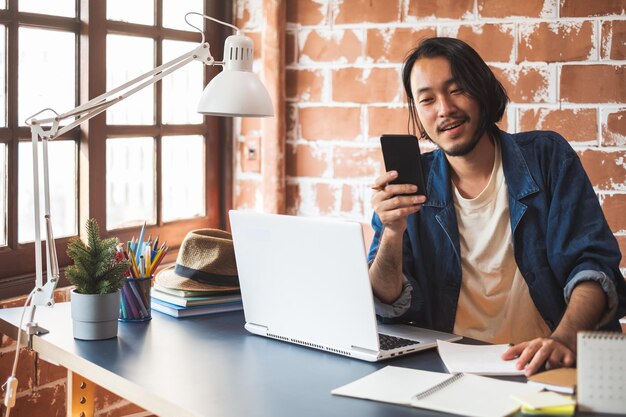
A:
[(607, 285), (399, 307)]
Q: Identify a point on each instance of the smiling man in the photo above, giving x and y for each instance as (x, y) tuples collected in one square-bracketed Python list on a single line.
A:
[(511, 245)]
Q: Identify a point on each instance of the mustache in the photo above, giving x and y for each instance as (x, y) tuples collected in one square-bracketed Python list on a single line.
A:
[(451, 122)]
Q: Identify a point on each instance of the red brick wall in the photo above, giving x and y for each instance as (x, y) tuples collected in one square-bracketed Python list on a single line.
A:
[(563, 63)]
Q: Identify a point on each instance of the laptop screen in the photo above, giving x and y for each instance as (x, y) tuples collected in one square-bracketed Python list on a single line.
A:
[(305, 278)]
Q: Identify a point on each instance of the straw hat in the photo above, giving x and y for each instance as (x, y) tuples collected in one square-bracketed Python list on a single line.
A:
[(205, 262)]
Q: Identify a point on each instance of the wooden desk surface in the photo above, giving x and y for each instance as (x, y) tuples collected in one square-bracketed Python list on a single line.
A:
[(211, 366)]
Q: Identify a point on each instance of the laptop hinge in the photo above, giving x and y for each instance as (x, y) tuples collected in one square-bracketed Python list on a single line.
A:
[(257, 327), (365, 350)]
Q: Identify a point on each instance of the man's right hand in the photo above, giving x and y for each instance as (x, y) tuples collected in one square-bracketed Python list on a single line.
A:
[(391, 203), (392, 206)]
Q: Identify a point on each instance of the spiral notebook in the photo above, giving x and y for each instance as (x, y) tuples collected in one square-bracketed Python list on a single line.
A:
[(464, 394), (601, 361)]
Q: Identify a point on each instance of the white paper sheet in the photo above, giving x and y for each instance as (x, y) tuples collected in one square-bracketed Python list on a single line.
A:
[(476, 359)]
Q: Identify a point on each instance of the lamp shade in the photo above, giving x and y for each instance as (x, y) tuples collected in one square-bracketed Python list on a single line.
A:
[(236, 91)]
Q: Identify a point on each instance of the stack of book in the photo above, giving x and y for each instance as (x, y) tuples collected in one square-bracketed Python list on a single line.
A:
[(179, 303)]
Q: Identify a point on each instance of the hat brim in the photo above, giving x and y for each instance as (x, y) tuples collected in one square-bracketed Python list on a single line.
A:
[(168, 278)]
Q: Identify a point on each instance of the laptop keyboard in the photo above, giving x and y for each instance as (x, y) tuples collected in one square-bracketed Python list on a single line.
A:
[(387, 342)]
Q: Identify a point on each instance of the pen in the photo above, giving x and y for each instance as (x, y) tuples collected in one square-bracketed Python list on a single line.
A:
[(157, 260), (140, 242), (147, 257), (142, 266), (133, 261)]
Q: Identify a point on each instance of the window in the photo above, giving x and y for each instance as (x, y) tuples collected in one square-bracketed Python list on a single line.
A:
[(3, 194), (183, 89), (62, 179), (135, 11), (3, 78), (128, 57), (49, 7), (183, 189), (150, 158), (41, 50), (130, 182)]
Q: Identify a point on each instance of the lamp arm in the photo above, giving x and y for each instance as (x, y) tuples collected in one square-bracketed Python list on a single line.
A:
[(48, 129), (101, 103)]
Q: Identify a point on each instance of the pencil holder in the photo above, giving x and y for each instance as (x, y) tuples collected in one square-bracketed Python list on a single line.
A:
[(135, 299)]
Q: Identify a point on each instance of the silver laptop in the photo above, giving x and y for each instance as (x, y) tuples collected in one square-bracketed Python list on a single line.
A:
[(305, 281)]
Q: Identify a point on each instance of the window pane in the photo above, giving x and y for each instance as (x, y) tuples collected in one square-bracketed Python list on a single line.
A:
[(3, 78), (183, 171), (128, 57), (3, 194), (174, 14), (63, 196), (47, 71), (182, 89), (135, 11), (130, 182), (54, 7)]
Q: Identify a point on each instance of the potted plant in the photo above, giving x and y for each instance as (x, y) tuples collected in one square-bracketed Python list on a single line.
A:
[(98, 274)]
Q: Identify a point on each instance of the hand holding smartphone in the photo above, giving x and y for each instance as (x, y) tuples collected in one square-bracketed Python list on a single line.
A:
[(401, 153)]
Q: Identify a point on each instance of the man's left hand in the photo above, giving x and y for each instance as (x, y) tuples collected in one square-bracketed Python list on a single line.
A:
[(533, 355)]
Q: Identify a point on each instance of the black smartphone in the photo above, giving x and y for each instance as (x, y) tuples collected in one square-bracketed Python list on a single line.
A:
[(402, 153)]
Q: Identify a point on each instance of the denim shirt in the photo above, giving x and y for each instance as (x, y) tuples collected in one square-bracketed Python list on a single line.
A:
[(560, 235)]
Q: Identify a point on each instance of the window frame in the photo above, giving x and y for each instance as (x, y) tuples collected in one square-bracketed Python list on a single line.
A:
[(17, 270)]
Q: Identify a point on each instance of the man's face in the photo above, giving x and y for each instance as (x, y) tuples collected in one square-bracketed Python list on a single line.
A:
[(447, 114)]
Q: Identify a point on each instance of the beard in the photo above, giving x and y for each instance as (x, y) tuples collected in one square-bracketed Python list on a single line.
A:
[(463, 149)]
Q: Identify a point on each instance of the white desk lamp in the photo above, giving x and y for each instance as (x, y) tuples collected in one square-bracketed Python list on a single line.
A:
[(236, 91)]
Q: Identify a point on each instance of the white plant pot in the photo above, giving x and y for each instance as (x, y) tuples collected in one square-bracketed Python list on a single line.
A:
[(94, 316)]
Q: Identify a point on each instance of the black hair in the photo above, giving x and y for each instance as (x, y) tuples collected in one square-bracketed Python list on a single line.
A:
[(470, 72)]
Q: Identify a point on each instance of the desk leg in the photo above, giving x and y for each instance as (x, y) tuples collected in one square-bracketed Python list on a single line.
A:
[(80, 396)]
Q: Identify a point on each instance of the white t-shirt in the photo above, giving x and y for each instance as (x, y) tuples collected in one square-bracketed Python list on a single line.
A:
[(494, 304)]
